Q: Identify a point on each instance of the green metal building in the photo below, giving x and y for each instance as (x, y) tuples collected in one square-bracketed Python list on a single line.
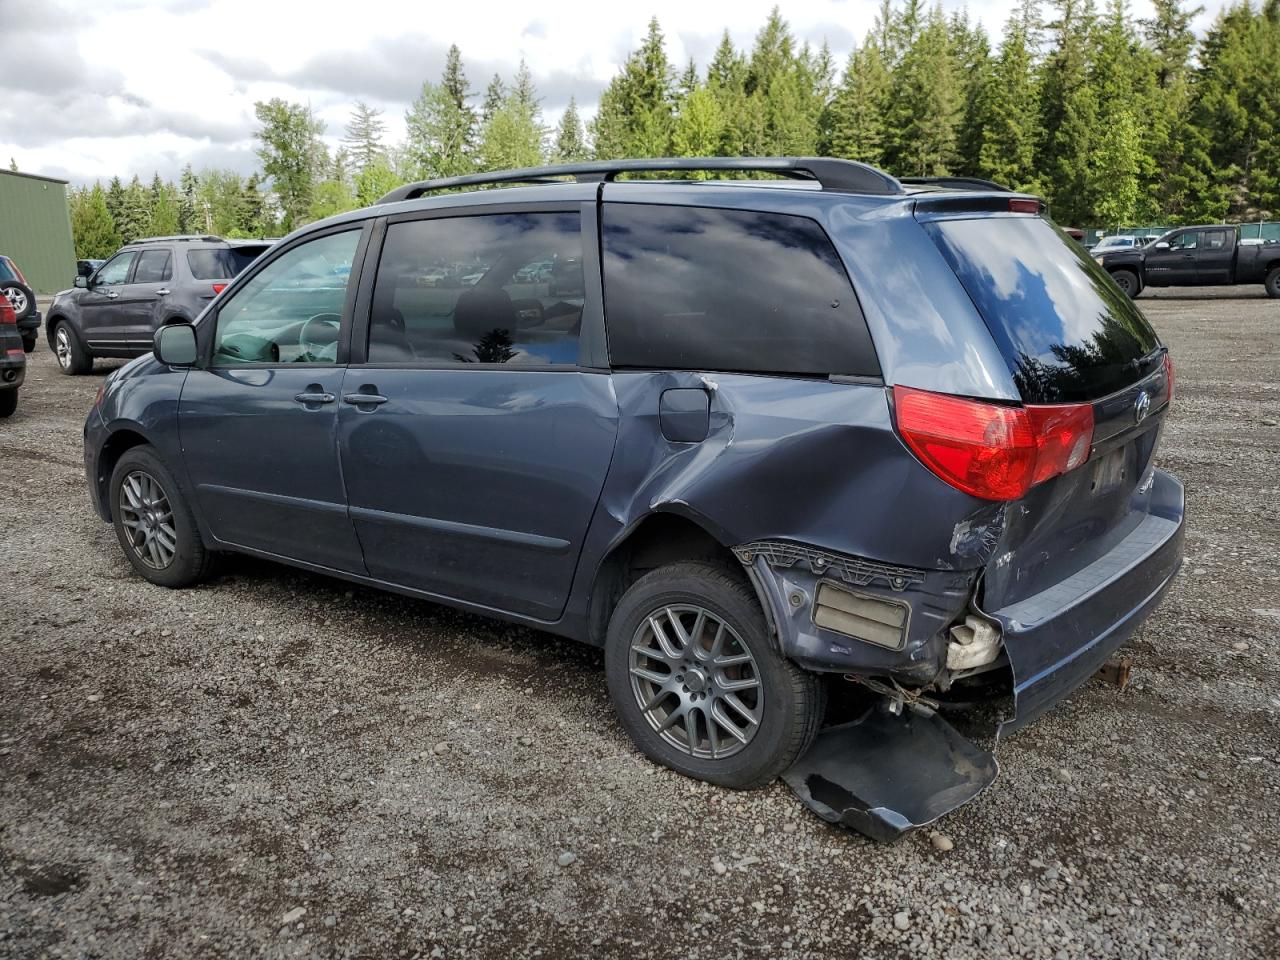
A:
[(35, 229)]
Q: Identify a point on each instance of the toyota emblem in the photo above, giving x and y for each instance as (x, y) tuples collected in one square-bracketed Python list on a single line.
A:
[(1141, 407)]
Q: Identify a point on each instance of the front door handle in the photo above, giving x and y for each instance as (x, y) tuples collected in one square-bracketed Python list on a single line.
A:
[(111, 295), (314, 397), (361, 399), (162, 292)]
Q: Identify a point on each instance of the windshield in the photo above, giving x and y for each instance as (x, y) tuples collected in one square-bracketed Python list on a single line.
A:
[(1066, 330)]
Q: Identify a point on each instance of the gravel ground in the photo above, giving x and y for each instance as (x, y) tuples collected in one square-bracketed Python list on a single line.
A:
[(277, 764)]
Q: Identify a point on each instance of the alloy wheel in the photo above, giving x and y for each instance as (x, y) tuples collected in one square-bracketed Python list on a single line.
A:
[(147, 517), (62, 347), (695, 681), (17, 299)]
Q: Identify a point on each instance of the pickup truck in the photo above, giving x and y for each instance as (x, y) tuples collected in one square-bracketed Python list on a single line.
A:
[(1195, 257)]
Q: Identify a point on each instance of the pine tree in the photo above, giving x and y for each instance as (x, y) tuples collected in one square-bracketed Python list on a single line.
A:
[(187, 185), (163, 208), (135, 212), (91, 224), (441, 139), (726, 81), (253, 221), (636, 111), (364, 133), (971, 58), (1011, 105), (494, 95), (376, 181), (1068, 111), (924, 115), (513, 136), (699, 127), (115, 199), (853, 125), (571, 142)]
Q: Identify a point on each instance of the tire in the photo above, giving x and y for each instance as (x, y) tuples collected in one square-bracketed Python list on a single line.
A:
[(73, 358), (21, 297), (8, 403), (1273, 283), (153, 522), (788, 702), (28, 343), (1127, 281)]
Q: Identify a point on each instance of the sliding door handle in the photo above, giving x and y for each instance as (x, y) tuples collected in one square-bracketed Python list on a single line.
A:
[(363, 399), (314, 398)]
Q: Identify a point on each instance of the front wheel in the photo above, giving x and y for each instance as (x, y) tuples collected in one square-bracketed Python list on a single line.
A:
[(1127, 281), (153, 522), (73, 358), (1273, 283), (698, 684)]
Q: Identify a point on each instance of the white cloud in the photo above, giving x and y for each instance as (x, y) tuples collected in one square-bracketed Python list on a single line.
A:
[(129, 86)]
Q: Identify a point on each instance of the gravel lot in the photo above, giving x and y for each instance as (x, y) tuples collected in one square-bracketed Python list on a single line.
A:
[(277, 764)]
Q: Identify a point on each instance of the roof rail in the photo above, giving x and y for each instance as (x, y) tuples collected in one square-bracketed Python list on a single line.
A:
[(955, 183), (830, 173), (180, 236)]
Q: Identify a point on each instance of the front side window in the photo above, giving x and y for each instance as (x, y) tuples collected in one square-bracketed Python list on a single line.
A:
[(153, 267), (291, 311), (497, 288), (1185, 241), (116, 270), (695, 288)]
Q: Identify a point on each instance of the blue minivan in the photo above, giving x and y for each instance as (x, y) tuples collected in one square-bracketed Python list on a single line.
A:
[(746, 435)]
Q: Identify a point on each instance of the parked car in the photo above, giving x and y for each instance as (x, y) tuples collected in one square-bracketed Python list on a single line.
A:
[(14, 288), (13, 358), (1106, 244), (904, 434), (1195, 256), (115, 311)]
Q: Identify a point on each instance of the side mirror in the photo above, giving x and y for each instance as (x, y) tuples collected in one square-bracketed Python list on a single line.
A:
[(1162, 245), (82, 282), (175, 345)]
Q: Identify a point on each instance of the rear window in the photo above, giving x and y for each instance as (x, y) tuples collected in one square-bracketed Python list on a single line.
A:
[(221, 263), (6, 270), (1066, 331), (693, 288)]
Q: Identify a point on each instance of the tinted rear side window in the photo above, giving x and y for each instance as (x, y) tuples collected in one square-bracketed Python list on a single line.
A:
[(221, 264), (694, 288), (1065, 329), (6, 271)]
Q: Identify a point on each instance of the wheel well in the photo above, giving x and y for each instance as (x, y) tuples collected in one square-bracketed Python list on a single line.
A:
[(659, 539), (51, 324), (112, 451)]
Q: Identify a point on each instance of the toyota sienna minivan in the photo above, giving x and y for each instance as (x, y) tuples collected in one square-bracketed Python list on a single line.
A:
[(745, 435)]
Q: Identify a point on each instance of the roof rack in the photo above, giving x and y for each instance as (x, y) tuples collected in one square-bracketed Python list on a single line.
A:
[(830, 173), (180, 236), (955, 183)]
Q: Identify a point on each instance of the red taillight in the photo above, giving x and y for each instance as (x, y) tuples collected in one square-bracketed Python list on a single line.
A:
[(1168, 374), (7, 314), (988, 450), (1024, 206), (218, 288)]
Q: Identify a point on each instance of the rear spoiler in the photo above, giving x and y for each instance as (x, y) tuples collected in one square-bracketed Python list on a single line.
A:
[(948, 204)]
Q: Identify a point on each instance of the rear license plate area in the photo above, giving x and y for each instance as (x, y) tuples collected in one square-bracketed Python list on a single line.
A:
[(1111, 471)]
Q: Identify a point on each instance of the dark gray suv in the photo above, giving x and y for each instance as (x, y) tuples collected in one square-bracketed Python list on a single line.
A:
[(116, 309), (748, 436)]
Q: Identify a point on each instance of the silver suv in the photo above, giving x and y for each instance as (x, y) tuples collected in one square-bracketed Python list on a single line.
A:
[(115, 311)]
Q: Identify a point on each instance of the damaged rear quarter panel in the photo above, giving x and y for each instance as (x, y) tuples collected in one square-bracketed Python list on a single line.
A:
[(812, 462)]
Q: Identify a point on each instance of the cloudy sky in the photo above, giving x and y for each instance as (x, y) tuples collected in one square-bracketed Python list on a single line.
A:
[(89, 90)]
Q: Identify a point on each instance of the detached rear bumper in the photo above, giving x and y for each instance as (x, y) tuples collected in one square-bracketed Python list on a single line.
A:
[(1058, 638)]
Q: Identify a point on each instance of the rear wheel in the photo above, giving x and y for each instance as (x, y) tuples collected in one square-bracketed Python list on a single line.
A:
[(8, 402), (73, 358), (1273, 283), (153, 522), (21, 298), (1127, 281), (698, 684)]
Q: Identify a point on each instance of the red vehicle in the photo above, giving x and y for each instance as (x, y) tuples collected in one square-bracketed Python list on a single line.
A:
[(14, 287), (13, 359)]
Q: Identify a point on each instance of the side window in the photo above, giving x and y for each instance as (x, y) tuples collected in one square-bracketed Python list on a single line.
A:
[(1214, 239), (153, 267), (291, 311), (116, 270), (695, 288), (497, 288), (1185, 241)]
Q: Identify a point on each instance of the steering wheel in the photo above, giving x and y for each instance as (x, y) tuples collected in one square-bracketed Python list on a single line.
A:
[(318, 339)]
